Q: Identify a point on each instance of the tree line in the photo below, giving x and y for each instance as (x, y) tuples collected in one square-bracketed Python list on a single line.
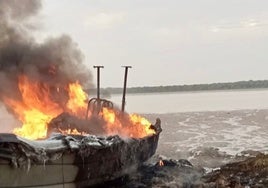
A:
[(195, 87)]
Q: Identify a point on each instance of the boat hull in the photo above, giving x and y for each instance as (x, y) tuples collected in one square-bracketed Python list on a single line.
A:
[(70, 161)]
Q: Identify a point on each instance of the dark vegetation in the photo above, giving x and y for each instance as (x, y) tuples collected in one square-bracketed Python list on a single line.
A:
[(196, 87)]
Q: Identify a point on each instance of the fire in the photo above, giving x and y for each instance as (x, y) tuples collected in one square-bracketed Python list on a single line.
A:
[(39, 103), (126, 125), (36, 107), (34, 110), (34, 125), (72, 131), (113, 125), (161, 163), (142, 122), (77, 99)]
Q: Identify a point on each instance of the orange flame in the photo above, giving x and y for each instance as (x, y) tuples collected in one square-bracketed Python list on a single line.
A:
[(36, 107), (72, 131), (126, 125), (34, 125), (77, 99), (161, 163), (142, 122), (39, 103)]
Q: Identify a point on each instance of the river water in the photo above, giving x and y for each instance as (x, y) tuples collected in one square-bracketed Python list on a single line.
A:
[(207, 128), (194, 101)]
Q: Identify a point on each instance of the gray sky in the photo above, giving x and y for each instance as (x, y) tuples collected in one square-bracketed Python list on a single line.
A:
[(168, 42)]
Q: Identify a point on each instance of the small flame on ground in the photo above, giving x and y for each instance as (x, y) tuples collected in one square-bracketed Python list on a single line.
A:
[(161, 163)]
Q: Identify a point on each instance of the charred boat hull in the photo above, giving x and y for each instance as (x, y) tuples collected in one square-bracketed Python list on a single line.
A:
[(71, 161)]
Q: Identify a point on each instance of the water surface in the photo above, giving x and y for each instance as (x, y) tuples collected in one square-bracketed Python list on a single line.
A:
[(194, 101)]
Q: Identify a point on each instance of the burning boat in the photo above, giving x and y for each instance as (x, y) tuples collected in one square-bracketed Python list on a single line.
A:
[(61, 138), (74, 151), (69, 150), (79, 145)]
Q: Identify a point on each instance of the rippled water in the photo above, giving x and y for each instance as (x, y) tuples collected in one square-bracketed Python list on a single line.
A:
[(212, 138), (209, 128)]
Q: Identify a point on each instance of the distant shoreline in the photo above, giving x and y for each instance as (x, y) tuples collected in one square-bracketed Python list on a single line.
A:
[(240, 85), (197, 91)]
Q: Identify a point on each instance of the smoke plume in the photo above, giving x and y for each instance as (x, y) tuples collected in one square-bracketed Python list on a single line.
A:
[(55, 62)]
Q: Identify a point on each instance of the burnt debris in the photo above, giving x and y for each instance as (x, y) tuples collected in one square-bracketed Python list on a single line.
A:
[(251, 172), (95, 125)]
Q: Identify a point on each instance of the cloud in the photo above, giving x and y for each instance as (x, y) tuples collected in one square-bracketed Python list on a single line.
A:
[(167, 32), (251, 23), (104, 20), (243, 24)]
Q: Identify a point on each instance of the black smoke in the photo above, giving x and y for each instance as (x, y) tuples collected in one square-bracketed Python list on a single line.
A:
[(55, 62)]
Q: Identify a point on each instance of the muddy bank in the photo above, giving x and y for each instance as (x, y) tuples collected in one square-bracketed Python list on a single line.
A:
[(224, 148), (250, 172)]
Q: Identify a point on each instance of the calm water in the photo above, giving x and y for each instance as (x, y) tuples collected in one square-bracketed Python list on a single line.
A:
[(194, 101)]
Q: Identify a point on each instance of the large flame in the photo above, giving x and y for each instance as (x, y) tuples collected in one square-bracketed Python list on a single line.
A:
[(131, 125), (39, 103), (36, 107), (77, 99)]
